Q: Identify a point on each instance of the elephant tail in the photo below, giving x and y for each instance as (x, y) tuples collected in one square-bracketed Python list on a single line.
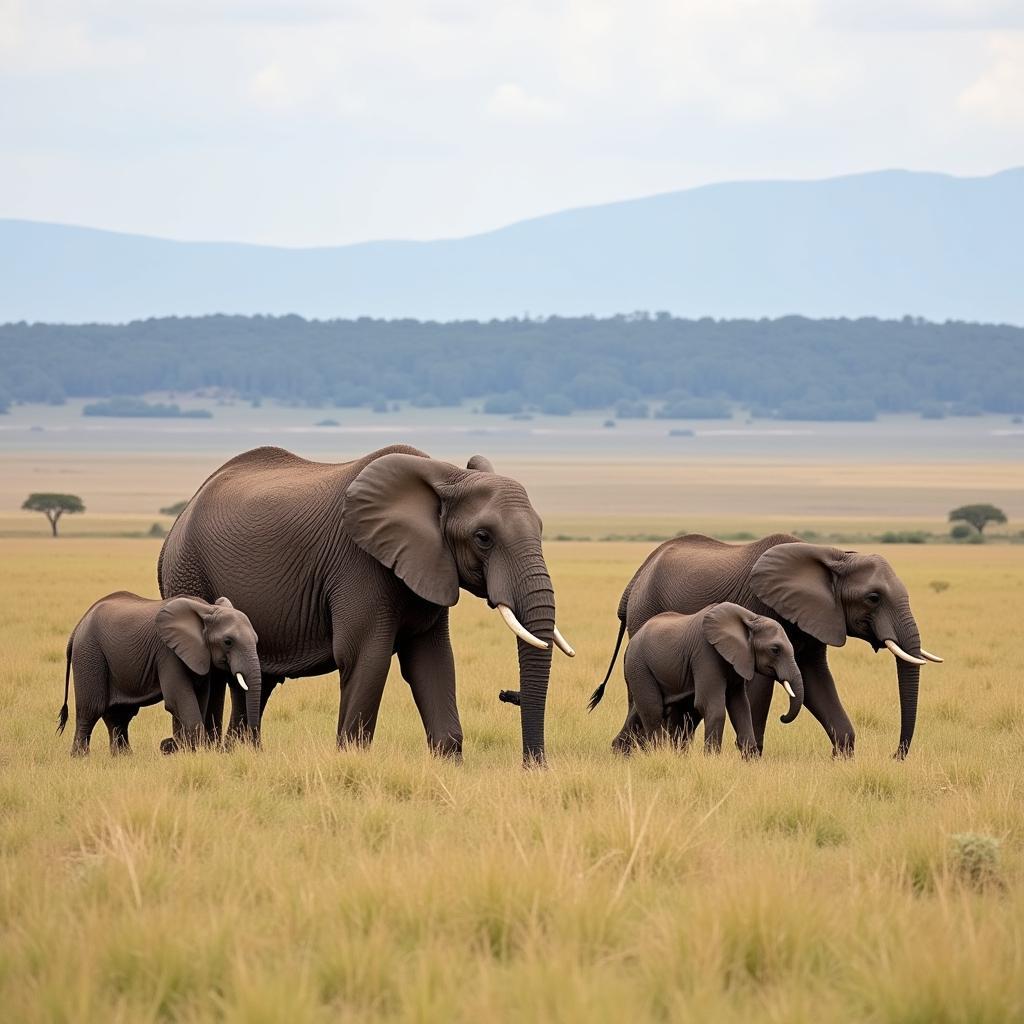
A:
[(595, 697), (62, 717)]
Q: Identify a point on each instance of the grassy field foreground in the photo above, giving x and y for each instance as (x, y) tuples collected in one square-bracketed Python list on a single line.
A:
[(304, 884)]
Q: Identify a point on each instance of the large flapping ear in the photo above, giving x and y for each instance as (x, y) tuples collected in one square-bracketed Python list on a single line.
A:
[(799, 582), (481, 464), (728, 627), (392, 510), (179, 624)]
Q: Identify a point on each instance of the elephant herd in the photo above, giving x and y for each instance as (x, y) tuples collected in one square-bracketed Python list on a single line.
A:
[(279, 568)]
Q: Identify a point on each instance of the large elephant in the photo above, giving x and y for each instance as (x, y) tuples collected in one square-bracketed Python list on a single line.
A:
[(128, 652), (820, 595), (340, 566), (706, 659)]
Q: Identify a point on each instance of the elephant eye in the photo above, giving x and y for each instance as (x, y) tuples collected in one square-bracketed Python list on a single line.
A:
[(873, 597), (228, 641), (776, 649), (483, 538)]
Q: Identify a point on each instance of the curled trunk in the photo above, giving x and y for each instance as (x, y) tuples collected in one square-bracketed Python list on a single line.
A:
[(796, 702)]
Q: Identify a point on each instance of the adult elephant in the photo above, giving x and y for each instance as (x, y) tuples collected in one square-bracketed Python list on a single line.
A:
[(342, 565), (821, 595)]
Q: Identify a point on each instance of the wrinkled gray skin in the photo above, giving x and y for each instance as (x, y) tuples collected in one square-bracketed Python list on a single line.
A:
[(820, 595), (706, 659), (340, 566), (128, 652)]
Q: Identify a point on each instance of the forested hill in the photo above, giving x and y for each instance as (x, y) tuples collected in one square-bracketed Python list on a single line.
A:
[(641, 363)]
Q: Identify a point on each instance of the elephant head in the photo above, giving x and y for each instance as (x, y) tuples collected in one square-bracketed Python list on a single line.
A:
[(753, 644), (216, 636), (441, 528), (832, 594)]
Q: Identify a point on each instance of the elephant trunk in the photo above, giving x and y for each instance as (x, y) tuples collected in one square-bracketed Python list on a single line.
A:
[(908, 676), (249, 669), (528, 584), (796, 700)]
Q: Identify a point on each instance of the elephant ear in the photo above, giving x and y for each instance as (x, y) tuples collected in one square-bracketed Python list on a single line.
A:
[(728, 628), (392, 510), (481, 464), (179, 624), (799, 582)]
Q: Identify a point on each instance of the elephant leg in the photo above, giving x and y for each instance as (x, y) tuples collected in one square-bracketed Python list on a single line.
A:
[(738, 707), (214, 717), (92, 685), (180, 699), (822, 700), (683, 720), (428, 666), (630, 732), (760, 691), (362, 686), (117, 721), (713, 711), (648, 701)]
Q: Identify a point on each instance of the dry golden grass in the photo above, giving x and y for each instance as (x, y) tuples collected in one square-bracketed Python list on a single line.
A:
[(305, 884)]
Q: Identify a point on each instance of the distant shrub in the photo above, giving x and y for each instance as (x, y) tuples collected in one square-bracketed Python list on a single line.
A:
[(694, 409), (137, 408), (380, 406), (627, 410), (904, 537), (174, 510), (962, 531), (327, 423), (503, 405), (156, 530), (939, 585), (608, 423), (427, 400), (976, 860), (556, 405), (847, 411)]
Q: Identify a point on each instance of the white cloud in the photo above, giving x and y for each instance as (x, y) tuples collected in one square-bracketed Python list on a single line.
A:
[(510, 101), (998, 95), (323, 121)]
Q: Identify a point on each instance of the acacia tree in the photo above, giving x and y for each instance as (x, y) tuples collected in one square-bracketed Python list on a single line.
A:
[(979, 516), (53, 506)]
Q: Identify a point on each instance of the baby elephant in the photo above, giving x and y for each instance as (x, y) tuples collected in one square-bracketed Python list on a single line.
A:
[(709, 656), (129, 652)]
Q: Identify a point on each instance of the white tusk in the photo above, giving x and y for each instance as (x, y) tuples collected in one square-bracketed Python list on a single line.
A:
[(788, 688), (902, 654), (241, 681), (519, 629), (931, 657), (563, 645)]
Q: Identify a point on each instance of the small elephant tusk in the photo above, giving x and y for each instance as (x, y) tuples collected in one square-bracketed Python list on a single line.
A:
[(931, 657), (902, 654), (563, 645), (241, 681), (787, 687), (519, 629)]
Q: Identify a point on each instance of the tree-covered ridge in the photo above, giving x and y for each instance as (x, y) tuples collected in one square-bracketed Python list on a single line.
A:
[(791, 366)]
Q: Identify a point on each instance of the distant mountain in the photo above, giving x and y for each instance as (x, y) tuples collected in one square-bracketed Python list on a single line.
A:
[(883, 244)]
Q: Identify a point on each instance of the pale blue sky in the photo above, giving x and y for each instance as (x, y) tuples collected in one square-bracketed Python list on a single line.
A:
[(314, 122)]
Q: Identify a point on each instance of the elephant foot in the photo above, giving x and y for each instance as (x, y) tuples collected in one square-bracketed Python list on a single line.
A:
[(120, 749), (509, 697), (623, 747), (169, 745)]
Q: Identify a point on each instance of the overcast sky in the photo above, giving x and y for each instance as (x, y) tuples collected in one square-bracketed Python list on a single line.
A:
[(314, 122)]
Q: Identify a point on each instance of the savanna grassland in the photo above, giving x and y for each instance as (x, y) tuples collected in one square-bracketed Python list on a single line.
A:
[(301, 883)]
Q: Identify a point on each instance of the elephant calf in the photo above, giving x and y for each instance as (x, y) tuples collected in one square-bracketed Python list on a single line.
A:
[(128, 652), (707, 657)]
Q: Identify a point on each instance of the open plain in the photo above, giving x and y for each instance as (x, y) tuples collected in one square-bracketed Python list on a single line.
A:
[(302, 883)]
